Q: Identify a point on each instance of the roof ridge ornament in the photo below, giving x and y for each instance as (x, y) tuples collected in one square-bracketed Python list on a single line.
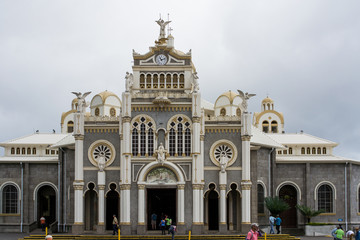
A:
[(162, 24)]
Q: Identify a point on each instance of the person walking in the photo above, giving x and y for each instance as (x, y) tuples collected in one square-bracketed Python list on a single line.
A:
[(254, 232), (162, 226), (43, 223), (168, 223), (153, 221), (272, 222), (278, 224), (350, 234), (333, 233), (339, 233), (172, 230), (115, 224)]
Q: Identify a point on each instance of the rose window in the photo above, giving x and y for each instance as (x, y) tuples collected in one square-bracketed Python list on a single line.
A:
[(102, 150), (223, 150)]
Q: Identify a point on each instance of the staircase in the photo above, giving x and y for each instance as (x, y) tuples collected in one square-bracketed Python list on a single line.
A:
[(159, 237)]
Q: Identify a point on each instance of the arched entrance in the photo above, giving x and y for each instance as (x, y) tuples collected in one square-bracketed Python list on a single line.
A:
[(233, 208), (212, 208), (289, 194), (112, 206), (91, 208), (46, 204)]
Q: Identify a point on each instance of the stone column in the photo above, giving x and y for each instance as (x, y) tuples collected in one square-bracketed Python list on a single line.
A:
[(246, 172), (181, 208), (141, 228), (125, 206), (222, 222), (197, 225), (101, 202)]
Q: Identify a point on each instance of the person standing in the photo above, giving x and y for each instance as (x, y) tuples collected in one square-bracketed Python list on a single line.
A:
[(43, 223), (357, 234), (272, 222), (278, 224), (172, 230), (115, 224), (350, 234), (339, 233), (254, 232), (168, 223), (153, 221), (162, 226), (333, 233)]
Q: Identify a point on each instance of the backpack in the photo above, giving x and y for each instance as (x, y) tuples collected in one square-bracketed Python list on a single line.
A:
[(252, 234)]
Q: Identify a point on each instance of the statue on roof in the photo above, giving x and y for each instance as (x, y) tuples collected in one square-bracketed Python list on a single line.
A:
[(129, 81), (245, 97), (81, 101), (195, 84), (162, 25)]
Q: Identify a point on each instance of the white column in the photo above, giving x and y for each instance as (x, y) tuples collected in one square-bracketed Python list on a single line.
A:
[(181, 204), (101, 202), (141, 204), (196, 203), (125, 204), (222, 181)]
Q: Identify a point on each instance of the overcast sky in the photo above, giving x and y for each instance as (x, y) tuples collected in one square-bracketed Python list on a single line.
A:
[(304, 54)]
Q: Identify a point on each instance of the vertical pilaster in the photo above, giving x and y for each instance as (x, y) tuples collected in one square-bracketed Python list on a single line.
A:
[(181, 208), (222, 181), (246, 171), (101, 202), (141, 228)]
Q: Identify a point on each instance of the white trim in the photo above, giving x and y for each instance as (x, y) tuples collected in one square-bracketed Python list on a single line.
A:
[(237, 189), (323, 183), (1, 194), (145, 170), (208, 190), (36, 189), (88, 189), (264, 186), (292, 184)]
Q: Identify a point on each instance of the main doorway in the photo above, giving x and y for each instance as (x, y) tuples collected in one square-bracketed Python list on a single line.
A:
[(112, 206), (289, 194), (46, 204), (161, 202)]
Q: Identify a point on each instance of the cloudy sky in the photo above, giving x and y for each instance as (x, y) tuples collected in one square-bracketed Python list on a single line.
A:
[(304, 54)]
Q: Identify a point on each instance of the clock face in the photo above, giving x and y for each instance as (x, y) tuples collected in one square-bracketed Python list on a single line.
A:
[(161, 59)]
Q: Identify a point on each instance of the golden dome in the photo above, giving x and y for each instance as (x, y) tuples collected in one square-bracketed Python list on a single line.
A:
[(267, 100), (104, 95), (230, 95)]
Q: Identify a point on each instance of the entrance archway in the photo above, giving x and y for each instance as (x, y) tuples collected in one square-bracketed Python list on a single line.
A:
[(112, 206), (289, 194), (212, 208), (91, 207), (46, 204), (233, 208), (161, 201)]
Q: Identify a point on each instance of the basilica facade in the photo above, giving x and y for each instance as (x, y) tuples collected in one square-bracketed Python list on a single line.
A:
[(160, 148)]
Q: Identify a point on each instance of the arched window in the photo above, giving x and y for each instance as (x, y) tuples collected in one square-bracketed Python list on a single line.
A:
[(222, 112), (179, 136), (142, 135), (265, 126), (302, 150), (142, 81), (238, 112), (325, 198), (112, 112), (324, 150), (10, 199), (308, 151), (97, 111), (182, 81), (168, 81), (148, 81), (17, 150), (28, 151), (12, 151), (274, 127), (290, 151), (313, 150), (155, 81), (319, 150), (23, 151), (261, 198), (285, 152), (70, 126), (162, 81), (34, 151), (175, 81)]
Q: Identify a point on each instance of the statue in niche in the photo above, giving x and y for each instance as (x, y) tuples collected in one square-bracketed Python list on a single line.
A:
[(129, 81), (245, 97), (161, 154), (82, 104), (101, 162), (223, 162)]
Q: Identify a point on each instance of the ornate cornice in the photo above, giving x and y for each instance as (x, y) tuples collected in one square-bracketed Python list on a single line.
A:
[(196, 119), (222, 130), (161, 109), (126, 119)]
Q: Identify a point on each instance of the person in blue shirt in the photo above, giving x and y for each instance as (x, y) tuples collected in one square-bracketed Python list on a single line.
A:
[(272, 223), (278, 223)]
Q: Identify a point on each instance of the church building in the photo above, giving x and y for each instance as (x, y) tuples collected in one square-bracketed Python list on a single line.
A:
[(161, 148)]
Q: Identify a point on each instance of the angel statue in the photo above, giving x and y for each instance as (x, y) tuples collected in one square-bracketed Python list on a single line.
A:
[(162, 25), (161, 154), (245, 97), (129, 81), (223, 162), (81, 101)]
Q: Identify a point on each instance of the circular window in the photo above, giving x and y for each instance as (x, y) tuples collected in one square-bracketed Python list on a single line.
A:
[(101, 149), (223, 148)]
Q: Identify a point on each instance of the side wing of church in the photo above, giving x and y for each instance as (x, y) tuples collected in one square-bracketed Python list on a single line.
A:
[(159, 150)]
